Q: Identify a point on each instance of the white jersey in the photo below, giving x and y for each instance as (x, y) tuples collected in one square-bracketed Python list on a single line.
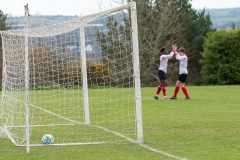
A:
[(164, 61), (183, 62)]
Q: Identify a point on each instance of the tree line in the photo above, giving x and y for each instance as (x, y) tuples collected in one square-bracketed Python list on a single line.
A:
[(213, 55), (164, 22)]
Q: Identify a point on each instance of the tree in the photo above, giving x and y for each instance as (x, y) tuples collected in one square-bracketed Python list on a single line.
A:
[(159, 25), (199, 25), (221, 63), (162, 23), (3, 26)]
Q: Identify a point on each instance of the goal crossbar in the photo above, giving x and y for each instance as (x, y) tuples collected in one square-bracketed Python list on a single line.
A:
[(63, 27)]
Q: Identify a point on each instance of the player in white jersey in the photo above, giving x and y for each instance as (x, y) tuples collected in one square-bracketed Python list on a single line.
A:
[(162, 71), (183, 72)]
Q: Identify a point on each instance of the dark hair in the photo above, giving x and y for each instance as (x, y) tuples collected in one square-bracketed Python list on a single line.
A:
[(181, 50), (162, 49)]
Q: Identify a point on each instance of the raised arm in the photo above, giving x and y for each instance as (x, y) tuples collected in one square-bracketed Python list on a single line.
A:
[(169, 56)]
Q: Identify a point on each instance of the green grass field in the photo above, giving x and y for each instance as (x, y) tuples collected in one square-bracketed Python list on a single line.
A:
[(206, 127)]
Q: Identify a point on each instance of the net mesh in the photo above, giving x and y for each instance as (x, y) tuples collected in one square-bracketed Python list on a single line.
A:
[(55, 80)]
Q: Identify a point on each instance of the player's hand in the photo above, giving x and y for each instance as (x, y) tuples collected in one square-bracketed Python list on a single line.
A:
[(173, 48)]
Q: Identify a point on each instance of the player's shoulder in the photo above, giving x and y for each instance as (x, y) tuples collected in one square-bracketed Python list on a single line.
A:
[(184, 58)]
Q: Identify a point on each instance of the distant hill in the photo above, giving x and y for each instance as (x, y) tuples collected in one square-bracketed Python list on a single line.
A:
[(20, 20), (221, 18)]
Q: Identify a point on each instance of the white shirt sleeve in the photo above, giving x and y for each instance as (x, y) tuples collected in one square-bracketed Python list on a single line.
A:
[(169, 56)]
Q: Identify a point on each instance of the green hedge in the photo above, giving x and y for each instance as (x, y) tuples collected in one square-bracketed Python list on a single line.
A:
[(221, 57)]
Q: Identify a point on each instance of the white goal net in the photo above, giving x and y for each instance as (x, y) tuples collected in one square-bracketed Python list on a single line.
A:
[(77, 80)]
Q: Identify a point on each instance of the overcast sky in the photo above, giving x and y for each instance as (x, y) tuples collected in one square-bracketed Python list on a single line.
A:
[(83, 7)]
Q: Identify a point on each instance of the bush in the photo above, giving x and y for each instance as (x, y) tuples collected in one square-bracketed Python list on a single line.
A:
[(221, 63)]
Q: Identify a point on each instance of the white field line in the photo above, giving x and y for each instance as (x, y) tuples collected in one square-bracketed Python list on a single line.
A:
[(118, 134), (47, 111), (142, 145), (161, 152)]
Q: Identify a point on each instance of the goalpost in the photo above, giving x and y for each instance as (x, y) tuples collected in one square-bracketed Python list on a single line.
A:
[(78, 80)]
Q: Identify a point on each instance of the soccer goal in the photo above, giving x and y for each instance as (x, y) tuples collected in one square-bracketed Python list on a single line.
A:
[(78, 80)]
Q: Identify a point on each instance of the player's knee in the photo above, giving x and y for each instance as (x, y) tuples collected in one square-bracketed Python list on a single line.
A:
[(177, 83)]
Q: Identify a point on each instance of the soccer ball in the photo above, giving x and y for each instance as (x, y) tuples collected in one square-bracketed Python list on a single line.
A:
[(47, 139)]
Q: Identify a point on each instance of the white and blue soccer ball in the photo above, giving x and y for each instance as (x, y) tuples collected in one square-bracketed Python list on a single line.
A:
[(47, 139)]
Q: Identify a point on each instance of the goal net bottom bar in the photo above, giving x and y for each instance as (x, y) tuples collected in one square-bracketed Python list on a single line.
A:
[(56, 144), (7, 130), (61, 144)]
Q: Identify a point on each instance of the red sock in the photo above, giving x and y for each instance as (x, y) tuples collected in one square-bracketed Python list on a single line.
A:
[(184, 89), (158, 90), (176, 91), (164, 91)]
